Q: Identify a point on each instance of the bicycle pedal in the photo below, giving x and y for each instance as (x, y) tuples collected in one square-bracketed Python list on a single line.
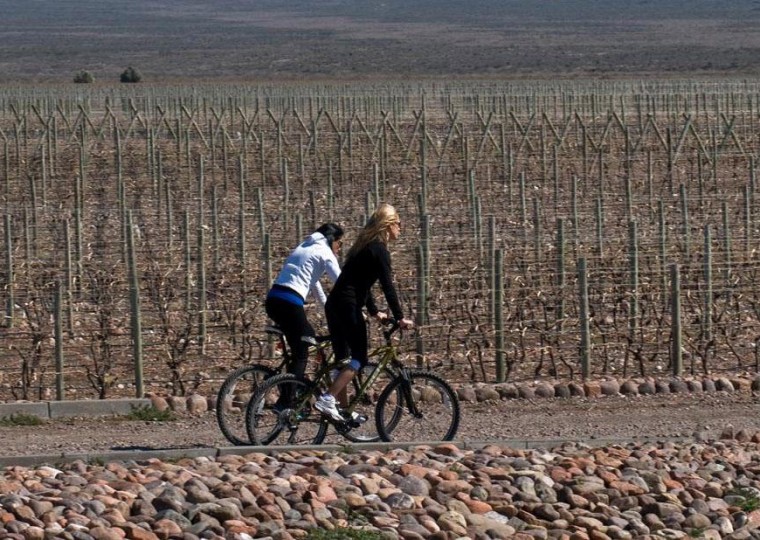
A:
[(356, 420)]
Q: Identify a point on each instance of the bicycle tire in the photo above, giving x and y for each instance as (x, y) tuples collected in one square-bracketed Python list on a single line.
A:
[(367, 406), (437, 407), (292, 426), (233, 397)]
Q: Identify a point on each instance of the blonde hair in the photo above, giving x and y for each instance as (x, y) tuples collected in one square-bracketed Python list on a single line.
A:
[(376, 228)]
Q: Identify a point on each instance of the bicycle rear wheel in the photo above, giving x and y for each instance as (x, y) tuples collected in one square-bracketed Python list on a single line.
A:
[(233, 397), (422, 408), (281, 412), (367, 404)]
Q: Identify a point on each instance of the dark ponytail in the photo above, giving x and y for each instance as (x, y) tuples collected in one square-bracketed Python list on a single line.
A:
[(331, 231)]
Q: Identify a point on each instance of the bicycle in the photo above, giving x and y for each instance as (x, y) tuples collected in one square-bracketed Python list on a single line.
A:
[(242, 383), (414, 404)]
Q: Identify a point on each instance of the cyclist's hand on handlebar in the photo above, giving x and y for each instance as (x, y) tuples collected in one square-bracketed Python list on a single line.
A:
[(406, 323)]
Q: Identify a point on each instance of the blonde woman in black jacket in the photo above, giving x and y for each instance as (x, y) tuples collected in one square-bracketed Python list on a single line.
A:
[(367, 262)]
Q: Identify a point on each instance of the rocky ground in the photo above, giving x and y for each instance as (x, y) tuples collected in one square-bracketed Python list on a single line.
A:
[(702, 485)]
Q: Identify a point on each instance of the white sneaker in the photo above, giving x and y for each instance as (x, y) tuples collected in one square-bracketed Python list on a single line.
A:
[(327, 405)]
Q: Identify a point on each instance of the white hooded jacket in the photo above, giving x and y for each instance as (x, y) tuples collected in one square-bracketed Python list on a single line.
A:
[(306, 264)]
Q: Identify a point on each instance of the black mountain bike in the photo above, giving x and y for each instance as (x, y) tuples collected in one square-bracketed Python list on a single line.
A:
[(409, 404), (241, 384)]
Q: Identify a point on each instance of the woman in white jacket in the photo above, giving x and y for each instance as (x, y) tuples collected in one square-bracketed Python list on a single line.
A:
[(314, 257)]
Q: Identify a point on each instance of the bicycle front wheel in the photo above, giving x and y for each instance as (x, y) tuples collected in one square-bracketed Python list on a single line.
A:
[(422, 408), (233, 396), (282, 411), (366, 404)]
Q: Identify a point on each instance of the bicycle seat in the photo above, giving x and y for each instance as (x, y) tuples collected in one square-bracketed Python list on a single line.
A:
[(273, 329), (315, 340)]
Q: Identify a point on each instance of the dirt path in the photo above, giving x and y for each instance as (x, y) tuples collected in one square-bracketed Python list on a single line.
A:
[(622, 418)]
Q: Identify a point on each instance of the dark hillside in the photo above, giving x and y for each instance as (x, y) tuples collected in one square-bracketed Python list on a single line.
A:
[(49, 41)]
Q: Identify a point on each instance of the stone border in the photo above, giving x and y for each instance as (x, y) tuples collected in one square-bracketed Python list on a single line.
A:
[(467, 393), (64, 409), (215, 452), (480, 392)]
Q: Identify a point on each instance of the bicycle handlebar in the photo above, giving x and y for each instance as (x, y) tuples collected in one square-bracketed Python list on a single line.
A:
[(393, 325)]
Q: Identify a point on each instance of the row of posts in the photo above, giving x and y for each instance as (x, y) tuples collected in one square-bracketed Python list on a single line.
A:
[(496, 286)]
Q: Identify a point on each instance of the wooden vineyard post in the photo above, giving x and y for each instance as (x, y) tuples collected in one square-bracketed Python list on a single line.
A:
[(685, 227), (747, 220), (215, 230), (555, 176), (299, 229), (599, 228), (7, 171), (601, 173), (10, 286), (58, 333), (69, 276), (421, 304), (262, 159), (330, 192), (498, 282), (312, 210), (663, 229), (537, 232), (676, 353), (267, 248), (560, 274), (707, 329), (45, 176), (727, 250), (523, 214), (188, 261), (201, 289), (650, 179), (425, 242), (169, 219), (260, 207), (576, 219), (633, 307), (27, 236), (491, 262), (78, 235), (242, 252), (286, 182), (585, 346), (134, 300)]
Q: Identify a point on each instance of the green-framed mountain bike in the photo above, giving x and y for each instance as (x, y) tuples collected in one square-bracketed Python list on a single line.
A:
[(241, 384), (407, 404)]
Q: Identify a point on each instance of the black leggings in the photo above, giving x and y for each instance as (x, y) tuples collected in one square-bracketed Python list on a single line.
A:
[(292, 319), (348, 331)]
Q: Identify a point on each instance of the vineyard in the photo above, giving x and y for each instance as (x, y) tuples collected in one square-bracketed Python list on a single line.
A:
[(568, 230)]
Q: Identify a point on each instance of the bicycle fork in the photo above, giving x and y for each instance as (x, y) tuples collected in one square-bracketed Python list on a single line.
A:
[(407, 394)]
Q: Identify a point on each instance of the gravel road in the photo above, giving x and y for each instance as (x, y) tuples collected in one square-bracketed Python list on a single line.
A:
[(618, 418)]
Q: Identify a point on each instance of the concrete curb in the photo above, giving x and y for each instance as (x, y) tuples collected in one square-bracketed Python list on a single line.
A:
[(215, 452), (63, 409)]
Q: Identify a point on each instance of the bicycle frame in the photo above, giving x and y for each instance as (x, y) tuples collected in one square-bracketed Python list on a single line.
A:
[(388, 359)]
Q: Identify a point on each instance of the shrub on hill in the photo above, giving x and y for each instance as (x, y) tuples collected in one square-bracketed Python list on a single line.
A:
[(130, 75), (84, 77)]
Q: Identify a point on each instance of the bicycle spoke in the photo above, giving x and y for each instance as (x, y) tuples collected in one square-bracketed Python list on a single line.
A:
[(281, 412), (425, 411)]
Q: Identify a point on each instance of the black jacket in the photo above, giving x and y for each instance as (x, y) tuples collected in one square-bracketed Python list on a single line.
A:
[(371, 264)]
